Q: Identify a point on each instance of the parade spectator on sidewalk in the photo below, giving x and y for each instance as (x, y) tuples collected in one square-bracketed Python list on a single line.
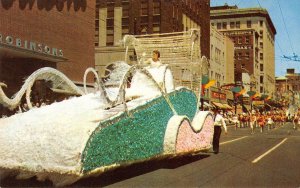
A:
[(218, 122)]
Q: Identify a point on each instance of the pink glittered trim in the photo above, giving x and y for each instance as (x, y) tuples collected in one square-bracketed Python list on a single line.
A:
[(188, 140)]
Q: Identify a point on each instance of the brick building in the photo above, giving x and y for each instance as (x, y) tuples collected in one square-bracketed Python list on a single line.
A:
[(285, 85), (116, 18), (36, 34), (253, 33)]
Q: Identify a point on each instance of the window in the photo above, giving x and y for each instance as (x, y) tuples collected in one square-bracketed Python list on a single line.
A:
[(261, 23), (261, 56), (156, 29), (261, 34), (125, 21), (261, 67), (247, 56), (144, 8), (243, 66), (249, 24), (125, 26), (237, 24), (224, 25), (218, 25), (240, 40), (239, 56), (261, 45), (125, 9), (110, 40), (235, 66), (156, 19), (217, 55), (261, 89), (261, 79), (156, 7), (247, 39), (231, 25), (110, 12)]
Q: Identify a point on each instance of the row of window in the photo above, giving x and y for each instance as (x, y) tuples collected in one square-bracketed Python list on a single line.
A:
[(241, 40), (246, 55), (240, 55), (243, 66), (233, 25), (218, 77)]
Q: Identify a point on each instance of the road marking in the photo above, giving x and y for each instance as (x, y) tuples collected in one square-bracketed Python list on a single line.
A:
[(269, 151), (233, 140)]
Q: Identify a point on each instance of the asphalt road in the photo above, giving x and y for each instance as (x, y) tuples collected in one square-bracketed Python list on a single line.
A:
[(268, 159)]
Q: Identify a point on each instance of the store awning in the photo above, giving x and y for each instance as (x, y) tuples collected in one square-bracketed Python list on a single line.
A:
[(206, 104), (218, 105), (9, 51)]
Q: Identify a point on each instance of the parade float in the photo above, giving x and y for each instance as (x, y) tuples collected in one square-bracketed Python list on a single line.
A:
[(117, 125)]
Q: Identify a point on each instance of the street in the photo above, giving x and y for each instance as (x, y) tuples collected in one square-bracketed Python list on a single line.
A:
[(268, 159)]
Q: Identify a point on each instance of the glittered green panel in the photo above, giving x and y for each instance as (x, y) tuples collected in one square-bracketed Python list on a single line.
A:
[(185, 103), (125, 139)]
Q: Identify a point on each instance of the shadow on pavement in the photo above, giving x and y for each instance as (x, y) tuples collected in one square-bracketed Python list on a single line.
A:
[(121, 174), (113, 176)]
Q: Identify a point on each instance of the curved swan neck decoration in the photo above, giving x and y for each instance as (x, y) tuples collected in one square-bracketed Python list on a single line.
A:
[(46, 73)]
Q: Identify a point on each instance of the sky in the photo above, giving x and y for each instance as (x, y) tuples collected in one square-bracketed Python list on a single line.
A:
[(287, 39)]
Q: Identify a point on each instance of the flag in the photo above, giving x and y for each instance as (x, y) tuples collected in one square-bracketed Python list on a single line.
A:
[(209, 84)]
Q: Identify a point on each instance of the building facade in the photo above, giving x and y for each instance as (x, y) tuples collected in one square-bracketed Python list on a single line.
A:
[(221, 66), (287, 85), (253, 33), (36, 34), (116, 18), (221, 58)]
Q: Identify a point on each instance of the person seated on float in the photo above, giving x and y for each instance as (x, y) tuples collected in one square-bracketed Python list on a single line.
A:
[(141, 85), (154, 61)]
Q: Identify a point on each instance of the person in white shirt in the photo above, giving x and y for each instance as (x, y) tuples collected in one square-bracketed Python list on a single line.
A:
[(154, 61), (218, 122)]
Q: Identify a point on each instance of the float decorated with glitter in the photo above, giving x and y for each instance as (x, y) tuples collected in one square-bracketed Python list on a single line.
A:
[(117, 125)]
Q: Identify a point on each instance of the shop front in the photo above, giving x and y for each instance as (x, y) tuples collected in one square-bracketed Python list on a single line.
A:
[(42, 34), (218, 98)]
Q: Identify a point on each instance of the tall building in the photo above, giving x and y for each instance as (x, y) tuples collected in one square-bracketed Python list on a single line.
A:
[(253, 33), (221, 66), (116, 18), (221, 58)]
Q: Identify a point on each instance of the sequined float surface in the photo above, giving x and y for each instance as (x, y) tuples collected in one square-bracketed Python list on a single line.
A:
[(188, 140), (125, 139)]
